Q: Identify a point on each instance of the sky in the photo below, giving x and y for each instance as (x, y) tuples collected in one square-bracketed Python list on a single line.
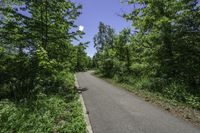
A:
[(95, 11)]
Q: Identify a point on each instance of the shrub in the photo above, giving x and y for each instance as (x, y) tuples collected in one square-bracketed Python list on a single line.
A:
[(138, 69), (158, 84), (143, 83), (61, 82), (176, 91), (193, 101), (46, 114)]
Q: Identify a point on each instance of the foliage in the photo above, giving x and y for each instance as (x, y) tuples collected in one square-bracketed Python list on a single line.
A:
[(161, 55), (176, 91), (37, 65), (83, 62), (46, 114), (37, 40), (104, 38)]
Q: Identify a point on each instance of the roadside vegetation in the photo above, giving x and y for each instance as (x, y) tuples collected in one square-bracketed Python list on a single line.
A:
[(160, 55), (178, 109), (37, 65)]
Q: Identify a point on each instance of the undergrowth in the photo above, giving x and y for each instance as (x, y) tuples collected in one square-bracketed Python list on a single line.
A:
[(55, 108), (47, 114)]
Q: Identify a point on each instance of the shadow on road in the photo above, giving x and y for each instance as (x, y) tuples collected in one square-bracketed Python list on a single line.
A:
[(82, 89)]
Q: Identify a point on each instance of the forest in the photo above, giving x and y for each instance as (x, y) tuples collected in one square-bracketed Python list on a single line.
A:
[(160, 53), (37, 64)]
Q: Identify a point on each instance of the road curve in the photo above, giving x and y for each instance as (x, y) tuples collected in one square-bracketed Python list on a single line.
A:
[(113, 110)]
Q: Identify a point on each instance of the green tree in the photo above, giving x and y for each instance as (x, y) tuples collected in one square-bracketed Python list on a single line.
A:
[(104, 38), (170, 29), (104, 43), (163, 52), (38, 45), (122, 48), (82, 62)]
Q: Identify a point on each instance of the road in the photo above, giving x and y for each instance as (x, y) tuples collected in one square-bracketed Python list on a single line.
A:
[(114, 110)]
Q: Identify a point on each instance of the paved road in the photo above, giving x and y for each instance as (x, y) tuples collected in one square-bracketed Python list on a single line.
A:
[(113, 110)]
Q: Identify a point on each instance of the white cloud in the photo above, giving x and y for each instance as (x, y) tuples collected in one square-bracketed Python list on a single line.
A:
[(81, 28)]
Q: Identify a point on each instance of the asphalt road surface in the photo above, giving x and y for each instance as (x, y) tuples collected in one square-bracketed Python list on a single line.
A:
[(114, 110)]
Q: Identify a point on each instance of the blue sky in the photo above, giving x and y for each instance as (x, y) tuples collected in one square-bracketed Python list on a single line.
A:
[(95, 11), (105, 11)]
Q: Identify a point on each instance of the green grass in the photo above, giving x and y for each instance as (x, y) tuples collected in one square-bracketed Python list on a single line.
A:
[(47, 114)]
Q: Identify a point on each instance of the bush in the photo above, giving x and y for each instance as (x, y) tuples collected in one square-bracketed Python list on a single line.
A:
[(158, 84), (176, 91), (138, 69), (193, 101), (65, 82), (60, 82), (143, 83), (46, 114)]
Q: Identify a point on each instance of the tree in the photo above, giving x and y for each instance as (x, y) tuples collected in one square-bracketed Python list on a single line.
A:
[(82, 62), (163, 52), (122, 48), (104, 43), (38, 45), (160, 27), (104, 38)]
